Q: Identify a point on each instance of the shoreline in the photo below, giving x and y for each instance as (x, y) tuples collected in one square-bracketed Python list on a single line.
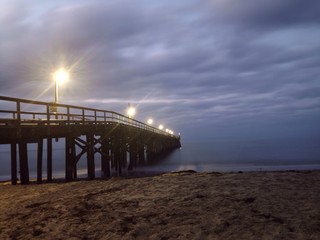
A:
[(138, 174), (177, 205)]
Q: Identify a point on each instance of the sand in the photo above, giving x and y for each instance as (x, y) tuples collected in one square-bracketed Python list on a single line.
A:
[(186, 205)]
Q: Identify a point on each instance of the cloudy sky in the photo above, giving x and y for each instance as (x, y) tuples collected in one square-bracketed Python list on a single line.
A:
[(205, 68)]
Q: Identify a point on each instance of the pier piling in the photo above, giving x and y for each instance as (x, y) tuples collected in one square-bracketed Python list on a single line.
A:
[(13, 163), (49, 159), (23, 159), (39, 161)]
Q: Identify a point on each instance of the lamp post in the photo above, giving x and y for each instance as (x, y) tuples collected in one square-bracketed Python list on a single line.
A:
[(59, 77), (131, 111)]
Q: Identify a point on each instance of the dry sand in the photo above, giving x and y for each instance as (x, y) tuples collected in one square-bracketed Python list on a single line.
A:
[(264, 205)]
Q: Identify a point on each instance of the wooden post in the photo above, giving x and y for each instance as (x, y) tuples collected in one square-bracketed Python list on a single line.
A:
[(141, 153), (105, 158), (70, 158), (90, 157), (73, 149), (23, 159), (39, 161), (13, 163), (122, 156), (149, 154), (112, 153), (117, 154), (18, 119), (123, 149), (49, 159), (133, 155)]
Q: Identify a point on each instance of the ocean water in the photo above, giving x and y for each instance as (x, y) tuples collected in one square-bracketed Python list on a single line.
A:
[(222, 155), (225, 155)]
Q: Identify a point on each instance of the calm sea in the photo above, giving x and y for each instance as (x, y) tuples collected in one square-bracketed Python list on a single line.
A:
[(221, 155)]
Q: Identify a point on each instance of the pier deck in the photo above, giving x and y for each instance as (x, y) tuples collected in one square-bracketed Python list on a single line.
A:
[(86, 131)]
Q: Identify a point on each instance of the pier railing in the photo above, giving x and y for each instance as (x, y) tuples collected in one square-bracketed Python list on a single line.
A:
[(19, 112)]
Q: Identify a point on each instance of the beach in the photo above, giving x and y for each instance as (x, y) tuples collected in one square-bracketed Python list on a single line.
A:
[(179, 205)]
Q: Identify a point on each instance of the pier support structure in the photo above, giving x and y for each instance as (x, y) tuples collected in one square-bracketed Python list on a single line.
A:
[(123, 143)]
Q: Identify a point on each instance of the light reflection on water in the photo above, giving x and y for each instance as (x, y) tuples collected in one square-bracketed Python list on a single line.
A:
[(217, 155)]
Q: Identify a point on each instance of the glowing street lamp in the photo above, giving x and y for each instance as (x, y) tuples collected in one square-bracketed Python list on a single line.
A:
[(60, 77), (150, 121), (131, 111), (161, 127), (169, 131)]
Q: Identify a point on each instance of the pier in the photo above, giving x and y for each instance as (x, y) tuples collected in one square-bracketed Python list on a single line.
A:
[(121, 142)]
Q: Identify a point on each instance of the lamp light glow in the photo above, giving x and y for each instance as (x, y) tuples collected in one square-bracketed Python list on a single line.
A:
[(131, 112), (61, 76), (150, 121), (161, 127)]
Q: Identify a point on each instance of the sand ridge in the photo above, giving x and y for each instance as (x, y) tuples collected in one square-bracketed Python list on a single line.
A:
[(185, 205)]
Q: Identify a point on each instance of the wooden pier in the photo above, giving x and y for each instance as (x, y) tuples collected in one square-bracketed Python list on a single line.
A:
[(86, 131)]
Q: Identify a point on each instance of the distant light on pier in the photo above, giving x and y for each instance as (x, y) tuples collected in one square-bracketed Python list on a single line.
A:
[(161, 127), (150, 121), (169, 131)]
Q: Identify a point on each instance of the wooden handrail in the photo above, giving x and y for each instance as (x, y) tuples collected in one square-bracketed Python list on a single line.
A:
[(104, 115)]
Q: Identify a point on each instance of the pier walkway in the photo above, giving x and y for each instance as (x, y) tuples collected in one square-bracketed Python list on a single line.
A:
[(122, 142)]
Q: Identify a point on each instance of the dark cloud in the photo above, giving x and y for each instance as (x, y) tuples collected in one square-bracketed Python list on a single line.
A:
[(213, 63), (264, 14)]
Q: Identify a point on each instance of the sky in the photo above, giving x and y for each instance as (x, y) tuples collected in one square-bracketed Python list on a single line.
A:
[(207, 69)]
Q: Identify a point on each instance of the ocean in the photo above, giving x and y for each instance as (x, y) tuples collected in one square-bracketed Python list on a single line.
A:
[(215, 155)]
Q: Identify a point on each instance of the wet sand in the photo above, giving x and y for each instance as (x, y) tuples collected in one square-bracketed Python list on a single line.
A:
[(185, 205)]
